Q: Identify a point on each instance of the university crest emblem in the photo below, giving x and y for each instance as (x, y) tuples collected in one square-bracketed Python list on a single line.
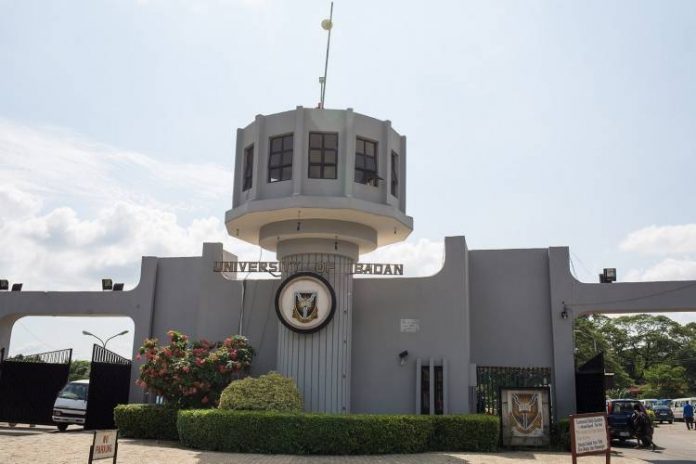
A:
[(305, 309), (305, 302), (525, 413)]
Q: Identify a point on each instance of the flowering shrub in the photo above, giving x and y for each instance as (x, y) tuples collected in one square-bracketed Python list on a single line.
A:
[(192, 375)]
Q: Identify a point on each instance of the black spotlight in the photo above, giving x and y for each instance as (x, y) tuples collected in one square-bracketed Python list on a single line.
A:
[(4, 284), (107, 284), (16, 287), (608, 276), (118, 287), (402, 357)]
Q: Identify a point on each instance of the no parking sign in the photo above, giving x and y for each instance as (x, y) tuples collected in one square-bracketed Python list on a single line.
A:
[(104, 446)]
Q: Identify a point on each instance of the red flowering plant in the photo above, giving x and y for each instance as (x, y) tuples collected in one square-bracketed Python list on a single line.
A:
[(192, 375)]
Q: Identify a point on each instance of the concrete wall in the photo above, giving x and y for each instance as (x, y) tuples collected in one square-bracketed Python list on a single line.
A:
[(485, 307), (510, 320), (173, 293), (440, 302)]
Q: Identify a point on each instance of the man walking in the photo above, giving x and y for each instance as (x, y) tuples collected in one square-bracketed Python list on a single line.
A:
[(689, 416)]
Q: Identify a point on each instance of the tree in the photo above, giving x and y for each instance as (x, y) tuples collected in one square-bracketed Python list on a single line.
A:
[(591, 339), (79, 370), (643, 341), (665, 381)]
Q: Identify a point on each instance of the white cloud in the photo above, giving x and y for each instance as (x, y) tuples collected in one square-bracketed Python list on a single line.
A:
[(662, 240), (56, 164), (422, 258), (676, 244), (667, 269), (122, 205)]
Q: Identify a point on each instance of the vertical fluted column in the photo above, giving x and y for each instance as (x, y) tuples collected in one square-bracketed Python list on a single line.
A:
[(320, 362)]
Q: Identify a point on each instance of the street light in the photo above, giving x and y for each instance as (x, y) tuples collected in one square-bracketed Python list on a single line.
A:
[(84, 332)]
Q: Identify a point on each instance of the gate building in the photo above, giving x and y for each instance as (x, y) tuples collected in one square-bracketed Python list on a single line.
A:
[(320, 188)]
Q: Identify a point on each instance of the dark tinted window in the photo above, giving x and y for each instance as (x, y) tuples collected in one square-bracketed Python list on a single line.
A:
[(280, 158), (365, 161), (323, 155), (395, 174), (248, 167)]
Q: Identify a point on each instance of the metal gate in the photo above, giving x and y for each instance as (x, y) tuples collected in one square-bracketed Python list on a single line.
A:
[(30, 384), (109, 382), (489, 379), (590, 392)]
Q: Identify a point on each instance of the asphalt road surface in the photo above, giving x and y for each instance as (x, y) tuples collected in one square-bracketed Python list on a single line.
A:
[(677, 446)]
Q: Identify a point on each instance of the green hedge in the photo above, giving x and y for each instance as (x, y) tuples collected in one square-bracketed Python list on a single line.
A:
[(560, 435), (465, 433), (146, 421), (269, 432)]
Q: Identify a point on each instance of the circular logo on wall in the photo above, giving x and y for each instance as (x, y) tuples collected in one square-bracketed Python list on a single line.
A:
[(305, 302)]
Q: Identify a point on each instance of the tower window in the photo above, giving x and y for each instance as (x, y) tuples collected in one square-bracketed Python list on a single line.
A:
[(366, 161), (248, 169), (395, 174), (280, 158), (323, 155)]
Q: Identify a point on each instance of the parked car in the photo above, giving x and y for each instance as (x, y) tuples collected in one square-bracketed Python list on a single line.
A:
[(663, 413), (619, 414), (71, 405)]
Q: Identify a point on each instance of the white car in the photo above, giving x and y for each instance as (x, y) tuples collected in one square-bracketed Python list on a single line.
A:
[(71, 405)]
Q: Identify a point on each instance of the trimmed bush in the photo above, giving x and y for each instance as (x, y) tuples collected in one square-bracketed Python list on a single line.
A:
[(146, 421), (270, 432), (270, 392), (473, 432)]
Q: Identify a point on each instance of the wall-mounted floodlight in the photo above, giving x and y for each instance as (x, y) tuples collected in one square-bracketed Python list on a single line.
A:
[(107, 284), (118, 287), (402, 357), (4, 284), (608, 275), (17, 287)]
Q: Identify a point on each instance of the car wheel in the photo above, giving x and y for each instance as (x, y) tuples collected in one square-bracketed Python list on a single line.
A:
[(62, 427), (669, 422), (12, 424)]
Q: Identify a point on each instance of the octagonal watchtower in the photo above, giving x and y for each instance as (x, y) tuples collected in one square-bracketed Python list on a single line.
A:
[(339, 174), (320, 186)]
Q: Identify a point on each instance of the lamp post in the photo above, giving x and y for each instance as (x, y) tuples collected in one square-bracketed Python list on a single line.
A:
[(84, 332)]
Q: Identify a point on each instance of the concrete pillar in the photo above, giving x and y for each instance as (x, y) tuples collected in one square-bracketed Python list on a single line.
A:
[(6, 324), (319, 362)]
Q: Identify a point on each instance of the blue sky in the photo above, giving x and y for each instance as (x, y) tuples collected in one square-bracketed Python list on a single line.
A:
[(543, 123)]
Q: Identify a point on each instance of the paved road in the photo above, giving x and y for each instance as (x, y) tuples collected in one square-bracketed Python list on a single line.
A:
[(679, 446), (24, 445)]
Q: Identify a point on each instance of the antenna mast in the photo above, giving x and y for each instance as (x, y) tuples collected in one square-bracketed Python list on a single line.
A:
[(327, 25)]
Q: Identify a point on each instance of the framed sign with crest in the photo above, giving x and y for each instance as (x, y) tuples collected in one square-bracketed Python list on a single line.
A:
[(525, 416)]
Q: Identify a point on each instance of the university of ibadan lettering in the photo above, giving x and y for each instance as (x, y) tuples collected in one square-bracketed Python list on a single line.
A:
[(274, 266)]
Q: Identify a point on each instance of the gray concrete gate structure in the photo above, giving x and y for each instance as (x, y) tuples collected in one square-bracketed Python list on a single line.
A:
[(483, 308)]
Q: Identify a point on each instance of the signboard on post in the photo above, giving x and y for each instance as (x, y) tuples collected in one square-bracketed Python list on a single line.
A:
[(104, 446), (589, 435)]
